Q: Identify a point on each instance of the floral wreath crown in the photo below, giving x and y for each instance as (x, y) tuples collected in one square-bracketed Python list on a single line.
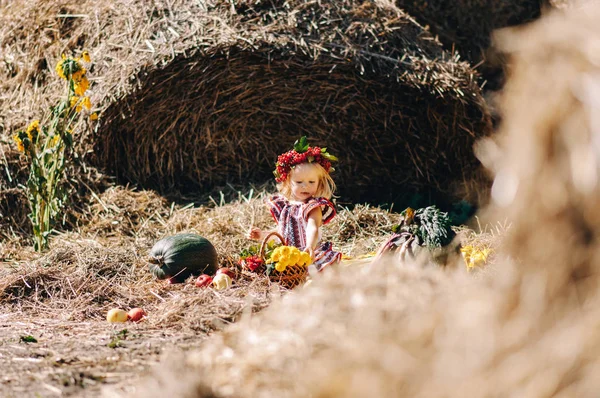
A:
[(302, 153)]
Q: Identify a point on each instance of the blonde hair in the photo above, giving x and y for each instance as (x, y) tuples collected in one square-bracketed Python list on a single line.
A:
[(325, 189)]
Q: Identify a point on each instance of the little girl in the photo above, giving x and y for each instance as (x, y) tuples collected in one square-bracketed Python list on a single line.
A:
[(303, 204)]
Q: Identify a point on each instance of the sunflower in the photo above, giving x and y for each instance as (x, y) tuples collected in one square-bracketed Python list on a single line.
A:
[(59, 68), (33, 130), (87, 103), (19, 142), (81, 86), (55, 140)]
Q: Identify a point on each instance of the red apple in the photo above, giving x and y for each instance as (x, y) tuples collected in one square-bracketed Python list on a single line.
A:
[(227, 271), (203, 280), (136, 314)]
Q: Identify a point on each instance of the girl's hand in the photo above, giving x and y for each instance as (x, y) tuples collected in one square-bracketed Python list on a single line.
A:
[(310, 251), (254, 233)]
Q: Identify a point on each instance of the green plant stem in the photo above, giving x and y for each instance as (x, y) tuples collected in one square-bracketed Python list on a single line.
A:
[(46, 194)]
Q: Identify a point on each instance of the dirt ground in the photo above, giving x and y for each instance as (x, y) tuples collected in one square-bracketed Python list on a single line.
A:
[(80, 358)]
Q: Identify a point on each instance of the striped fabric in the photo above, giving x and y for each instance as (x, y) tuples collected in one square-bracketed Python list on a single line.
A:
[(291, 219)]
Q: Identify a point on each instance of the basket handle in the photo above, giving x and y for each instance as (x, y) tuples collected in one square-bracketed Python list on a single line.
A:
[(261, 252)]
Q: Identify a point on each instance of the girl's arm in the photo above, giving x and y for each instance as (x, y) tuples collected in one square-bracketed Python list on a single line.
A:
[(314, 221)]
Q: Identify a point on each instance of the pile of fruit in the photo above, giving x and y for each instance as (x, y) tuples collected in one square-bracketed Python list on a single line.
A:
[(223, 279), (286, 265), (117, 315), (275, 258), (251, 258)]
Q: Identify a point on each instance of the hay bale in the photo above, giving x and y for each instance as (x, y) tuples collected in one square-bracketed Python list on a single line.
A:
[(467, 26), (361, 79), (193, 97)]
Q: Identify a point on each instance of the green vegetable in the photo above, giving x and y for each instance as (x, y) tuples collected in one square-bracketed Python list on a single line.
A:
[(430, 226), (179, 256)]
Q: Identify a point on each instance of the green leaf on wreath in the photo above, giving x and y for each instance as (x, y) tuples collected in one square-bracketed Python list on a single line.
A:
[(329, 156), (301, 145)]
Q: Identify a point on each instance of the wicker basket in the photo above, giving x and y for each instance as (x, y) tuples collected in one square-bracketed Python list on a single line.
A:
[(292, 276)]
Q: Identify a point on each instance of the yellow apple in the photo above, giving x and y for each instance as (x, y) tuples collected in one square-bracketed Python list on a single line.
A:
[(221, 281), (116, 315)]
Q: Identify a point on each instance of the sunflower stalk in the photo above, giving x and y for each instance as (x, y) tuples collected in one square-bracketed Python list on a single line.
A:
[(49, 147)]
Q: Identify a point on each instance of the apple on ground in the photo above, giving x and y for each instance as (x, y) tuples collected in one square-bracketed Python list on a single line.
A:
[(136, 314), (116, 315), (221, 282), (227, 271), (203, 280)]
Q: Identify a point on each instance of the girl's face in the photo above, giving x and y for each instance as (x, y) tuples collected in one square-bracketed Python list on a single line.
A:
[(304, 181)]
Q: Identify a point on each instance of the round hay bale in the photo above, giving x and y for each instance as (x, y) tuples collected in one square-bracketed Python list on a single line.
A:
[(359, 78), (195, 96)]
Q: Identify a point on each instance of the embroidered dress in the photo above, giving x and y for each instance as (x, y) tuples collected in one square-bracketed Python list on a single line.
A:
[(292, 218)]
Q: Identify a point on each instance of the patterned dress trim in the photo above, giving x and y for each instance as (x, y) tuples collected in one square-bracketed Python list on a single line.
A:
[(327, 207)]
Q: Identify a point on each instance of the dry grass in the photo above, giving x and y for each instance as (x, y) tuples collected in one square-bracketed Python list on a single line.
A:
[(400, 332), (570, 4)]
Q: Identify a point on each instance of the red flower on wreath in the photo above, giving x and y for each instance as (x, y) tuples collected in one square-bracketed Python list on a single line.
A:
[(302, 153)]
